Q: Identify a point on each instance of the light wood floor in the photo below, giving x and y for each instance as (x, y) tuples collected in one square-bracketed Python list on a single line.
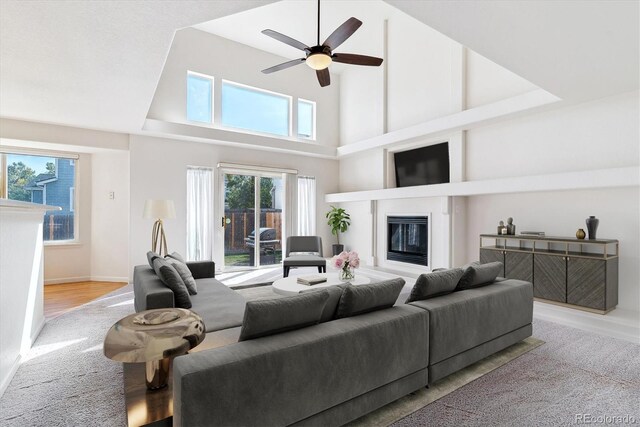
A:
[(60, 298)]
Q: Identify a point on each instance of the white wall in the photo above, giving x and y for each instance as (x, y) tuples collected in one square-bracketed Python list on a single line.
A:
[(110, 217), (195, 50), (158, 170)]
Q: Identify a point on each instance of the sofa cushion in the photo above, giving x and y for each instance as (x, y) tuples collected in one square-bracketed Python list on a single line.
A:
[(219, 306), (362, 299), (335, 292), (476, 275), (150, 257), (273, 316), (172, 280), (434, 284), (176, 256), (465, 319), (304, 261), (185, 275)]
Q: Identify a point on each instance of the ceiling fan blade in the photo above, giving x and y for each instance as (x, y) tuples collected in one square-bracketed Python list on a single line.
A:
[(286, 39), (351, 58), (283, 66), (342, 33), (323, 77)]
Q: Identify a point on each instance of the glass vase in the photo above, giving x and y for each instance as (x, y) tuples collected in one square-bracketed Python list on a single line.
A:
[(346, 274)]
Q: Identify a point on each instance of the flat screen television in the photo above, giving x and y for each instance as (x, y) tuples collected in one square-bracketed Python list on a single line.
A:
[(422, 166)]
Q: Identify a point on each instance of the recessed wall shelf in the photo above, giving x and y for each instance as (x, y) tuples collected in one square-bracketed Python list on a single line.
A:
[(591, 179)]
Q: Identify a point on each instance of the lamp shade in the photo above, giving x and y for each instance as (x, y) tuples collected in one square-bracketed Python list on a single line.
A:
[(159, 209)]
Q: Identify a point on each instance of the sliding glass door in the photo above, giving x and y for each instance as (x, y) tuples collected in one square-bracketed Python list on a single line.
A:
[(253, 202)]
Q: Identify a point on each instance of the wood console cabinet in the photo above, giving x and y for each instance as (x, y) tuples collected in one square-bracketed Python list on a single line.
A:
[(579, 273)]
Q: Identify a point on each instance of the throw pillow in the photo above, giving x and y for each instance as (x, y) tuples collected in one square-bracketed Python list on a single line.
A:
[(477, 275), (176, 256), (335, 292), (435, 284), (273, 316), (185, 275), (362, 299), (173, 281), (151, 256)]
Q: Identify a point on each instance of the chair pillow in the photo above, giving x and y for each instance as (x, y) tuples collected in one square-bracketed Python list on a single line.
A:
[(362, 299), (176, 256), (170, 277), (150, 257), (273, 316), (335, 292), (477, 275), (185, 275), (435, 284)]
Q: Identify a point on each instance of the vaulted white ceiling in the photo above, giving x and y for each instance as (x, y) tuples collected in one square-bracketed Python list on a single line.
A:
[(96, 64)]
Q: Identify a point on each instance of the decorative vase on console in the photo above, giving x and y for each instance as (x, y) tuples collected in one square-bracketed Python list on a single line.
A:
[(592, 226), (346, 263)]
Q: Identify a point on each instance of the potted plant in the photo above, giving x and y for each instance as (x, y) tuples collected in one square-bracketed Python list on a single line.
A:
[(339, 221)]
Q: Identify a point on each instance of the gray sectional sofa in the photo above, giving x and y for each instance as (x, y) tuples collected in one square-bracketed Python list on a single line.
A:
[(336, 371)]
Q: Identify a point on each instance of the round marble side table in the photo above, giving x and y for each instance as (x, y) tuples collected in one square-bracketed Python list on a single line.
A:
[(154, 337)]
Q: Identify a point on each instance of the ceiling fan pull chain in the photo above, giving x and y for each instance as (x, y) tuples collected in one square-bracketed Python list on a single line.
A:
[(318, 23)]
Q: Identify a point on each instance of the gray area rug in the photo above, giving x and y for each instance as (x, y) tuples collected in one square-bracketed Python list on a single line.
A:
[(65, 380)]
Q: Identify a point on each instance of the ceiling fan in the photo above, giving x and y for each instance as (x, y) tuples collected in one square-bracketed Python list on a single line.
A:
[(320, 56)]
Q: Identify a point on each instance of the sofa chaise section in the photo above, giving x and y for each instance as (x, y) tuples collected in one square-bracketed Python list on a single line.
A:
[(467, 326), (328, 374), (219, 306)]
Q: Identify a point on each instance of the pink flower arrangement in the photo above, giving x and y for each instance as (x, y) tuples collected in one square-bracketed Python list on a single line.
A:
[(346, 260)]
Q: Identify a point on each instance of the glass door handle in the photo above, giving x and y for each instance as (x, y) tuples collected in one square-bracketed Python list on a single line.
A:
[(225, 221)]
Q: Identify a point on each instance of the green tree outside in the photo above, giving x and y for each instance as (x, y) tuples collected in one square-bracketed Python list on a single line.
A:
[(19, 175), (51, 167), (240, 190)]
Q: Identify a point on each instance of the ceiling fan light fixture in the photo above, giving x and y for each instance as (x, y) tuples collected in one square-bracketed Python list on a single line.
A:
[(318, 61)]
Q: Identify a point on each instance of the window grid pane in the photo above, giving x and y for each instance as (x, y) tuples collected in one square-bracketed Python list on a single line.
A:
[(199, 98), (306, 114), (255, 110)]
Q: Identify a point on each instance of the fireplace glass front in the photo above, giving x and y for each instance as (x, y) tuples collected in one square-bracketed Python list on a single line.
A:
[(407, 239)]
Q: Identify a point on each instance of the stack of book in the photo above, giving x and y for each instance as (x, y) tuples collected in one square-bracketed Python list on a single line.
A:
[(311, 280)]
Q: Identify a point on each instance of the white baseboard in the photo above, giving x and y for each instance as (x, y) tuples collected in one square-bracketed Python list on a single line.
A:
[(4, 382), (109, 279), (620, 323), (86, 279), (67, 280)]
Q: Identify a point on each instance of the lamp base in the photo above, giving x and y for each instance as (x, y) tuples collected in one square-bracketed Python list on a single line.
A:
[(158, 239)]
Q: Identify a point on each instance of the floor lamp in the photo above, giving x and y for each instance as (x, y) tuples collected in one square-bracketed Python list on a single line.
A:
[(159, 210)]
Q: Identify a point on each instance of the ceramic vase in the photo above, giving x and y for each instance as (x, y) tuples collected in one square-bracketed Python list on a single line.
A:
[(580, 234), (592, 227)]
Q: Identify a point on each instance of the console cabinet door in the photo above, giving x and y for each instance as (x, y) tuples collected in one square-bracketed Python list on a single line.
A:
[(550, 277), (586, 282), (492, 255), (518, 265)]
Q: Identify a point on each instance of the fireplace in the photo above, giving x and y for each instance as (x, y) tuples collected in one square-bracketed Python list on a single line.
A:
[(407, 239)]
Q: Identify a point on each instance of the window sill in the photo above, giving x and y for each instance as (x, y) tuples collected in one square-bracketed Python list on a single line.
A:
[(62, 244)]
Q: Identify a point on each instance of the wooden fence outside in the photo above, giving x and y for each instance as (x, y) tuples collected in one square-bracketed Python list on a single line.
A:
[(58, 227), (242, 223)]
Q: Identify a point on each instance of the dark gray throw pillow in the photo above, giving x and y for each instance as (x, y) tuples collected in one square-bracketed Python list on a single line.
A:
[(185, 275), (435, 284), (273, 316), (176, 256), (477, 275), (335, 292), (150, 257), (173, 281), (362, 299)]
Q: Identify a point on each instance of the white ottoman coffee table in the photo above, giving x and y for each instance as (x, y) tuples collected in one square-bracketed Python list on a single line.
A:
[(290, 286)]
